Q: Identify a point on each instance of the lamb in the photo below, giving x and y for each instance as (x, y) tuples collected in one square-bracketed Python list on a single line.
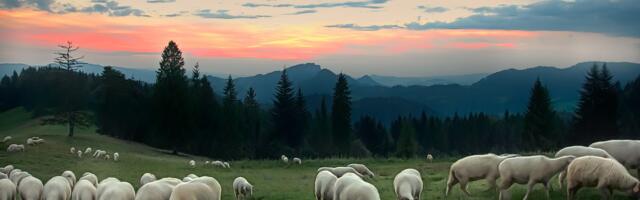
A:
[(579, 151), (157, 190), (206, 188), (112, 188), (297, 161), (430, 158), (606, 174), (624, 151), (90, 177), (362, 169), (72, 150), (351, 186), (116, 156), (15, 148), (473, 168), (6, 138), (242, 188), (284, 159), (324, 183), (408, 185), (84, 190), (30, 188), (339, 171), (147, 178), (192, 163), (57, 188), (79, 154), (88, 150), (7, 190), (530, 170)]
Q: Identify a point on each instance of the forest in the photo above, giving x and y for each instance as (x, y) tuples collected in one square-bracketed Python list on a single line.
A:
[(183, 113)]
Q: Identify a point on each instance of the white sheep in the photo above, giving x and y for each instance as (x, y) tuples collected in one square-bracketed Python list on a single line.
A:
[(351, 186), (362, 169), (38, 140), (112, 188), (242, 188), (7, 169), (189, 177), (30, 188), (473, 168), (206, 162), (7, 190), (17, 175), (15, 148), (157, 190), (90, 177), (147, 178), (30, 142), (624, 151), (297, 161), (6, 138), (408, 185), (226, 165), (3, 176), (107, 157), (57, 188), (71, 176), (339, 171), (84, 190), (429, 157), (218, 163), (99, 153), (579, 151), (201, 188), (605, 174), (79, 154), (87, 150), (284, 159), (324, 183), (192, 163), (72, 150), (116, 156), (530, 170)]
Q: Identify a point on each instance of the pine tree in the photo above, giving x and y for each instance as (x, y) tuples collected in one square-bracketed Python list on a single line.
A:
[(302, 118), (539, 119), (597, 113), (341, 115), (321, 138), (252, 123), (407, 146), (284, 113), (66, 59), (231, 134), (170, 97)]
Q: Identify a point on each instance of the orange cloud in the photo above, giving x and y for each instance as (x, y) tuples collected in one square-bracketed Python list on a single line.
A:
[(231, 39)]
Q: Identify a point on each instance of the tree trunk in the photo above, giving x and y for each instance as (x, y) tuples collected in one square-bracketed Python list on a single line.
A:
[(71, 128)]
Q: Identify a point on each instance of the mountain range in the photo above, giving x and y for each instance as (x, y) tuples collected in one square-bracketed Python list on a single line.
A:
[(387, 97)]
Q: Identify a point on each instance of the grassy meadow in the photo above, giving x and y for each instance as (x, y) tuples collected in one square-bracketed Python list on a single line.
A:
[(271, 178)]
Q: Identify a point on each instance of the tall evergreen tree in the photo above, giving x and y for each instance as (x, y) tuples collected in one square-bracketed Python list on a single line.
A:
[(231, 134), (341, 115), (302, 118), (539, 119), (321, 138), (170, 97), (284, 113), (407, 146), (252, 123), (597, 113)]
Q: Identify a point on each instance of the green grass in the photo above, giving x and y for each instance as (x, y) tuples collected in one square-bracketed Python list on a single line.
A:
[(271, 178)]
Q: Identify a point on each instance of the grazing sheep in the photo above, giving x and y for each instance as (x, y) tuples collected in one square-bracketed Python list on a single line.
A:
[(84, 190), (17, 175), (38, 140), (88, 150), (116, 156), (579, 151), (473, 168), (99, 153), (15, 148), (226, 165), (205, 188), (30, 188), (90, 177), (72, 150), (189, 177), (79, 154), (218, 163), (324, 183), (362, 169), (147, 178), (157, 190), (429, 157), (192, 163), (530, 170), (408, 185), (624, 151), (107, 157), (7, 190), (352, 187), (71, 176), (297, 161), (112, 188), (339, 171), (206, 162), (6, 169), (30, 142), (57, 188), (284, 159), (605, 174), (6, 138), (242, 188)]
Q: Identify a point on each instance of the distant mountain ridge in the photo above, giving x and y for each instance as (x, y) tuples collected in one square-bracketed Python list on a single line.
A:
[(465, 79)]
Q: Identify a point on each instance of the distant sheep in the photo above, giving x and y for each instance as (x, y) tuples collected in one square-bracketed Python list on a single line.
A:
[(6, 138), (112, 188), (242, 188), (218, 163), (408, 185), (38, 140), (201, 188), (339, 171), (530, 170), (473, 168), (579, 151), (107, 157), (429, 157), (30, 188), (206, 162), (15, 148), (84, 190), (72, 150), (624, 151), (159, 189), (605, 174), (88, 150), (226, 165), (351, 186), (147, 178), (30, 142), (99, 153), (116, 156), (192, 163), (297, 161), (57, 188), (90, 177), (362, 169), (284, 159), (79, 154), (324, 184), (7, 190)]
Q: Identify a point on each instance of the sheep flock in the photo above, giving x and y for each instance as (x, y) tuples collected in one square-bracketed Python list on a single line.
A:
[(602, 165)]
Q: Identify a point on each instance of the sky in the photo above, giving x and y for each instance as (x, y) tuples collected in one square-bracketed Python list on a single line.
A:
[(358, 37)]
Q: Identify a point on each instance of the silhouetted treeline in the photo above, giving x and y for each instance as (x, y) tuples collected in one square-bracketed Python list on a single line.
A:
[(183, 113)]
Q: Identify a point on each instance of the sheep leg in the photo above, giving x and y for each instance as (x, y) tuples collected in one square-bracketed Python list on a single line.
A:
[(463, 187), (605, 192), (561, 177), (547, 187), (450, 183), (529, 188), (492, 183)]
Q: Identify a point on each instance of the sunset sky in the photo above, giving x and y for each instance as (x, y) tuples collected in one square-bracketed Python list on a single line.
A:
[(386, 37)]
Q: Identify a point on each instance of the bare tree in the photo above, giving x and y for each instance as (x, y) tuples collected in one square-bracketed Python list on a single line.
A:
[(65, 58)]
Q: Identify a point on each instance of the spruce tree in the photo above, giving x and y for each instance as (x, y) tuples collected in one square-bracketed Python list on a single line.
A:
[(406, 147), (283, 113), (302, 118), (341, 115), (231, 134), (170, 97), (597, 113), (539, 119), (252, 123)]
